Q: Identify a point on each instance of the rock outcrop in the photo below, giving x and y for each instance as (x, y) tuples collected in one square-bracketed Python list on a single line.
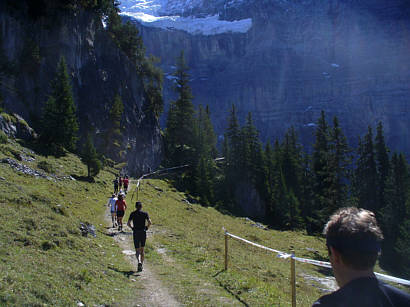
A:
[(99, 71), (15, 126), (350, 58)]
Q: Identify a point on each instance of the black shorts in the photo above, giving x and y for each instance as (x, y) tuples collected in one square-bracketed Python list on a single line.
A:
[(120, 213), (140, 236)]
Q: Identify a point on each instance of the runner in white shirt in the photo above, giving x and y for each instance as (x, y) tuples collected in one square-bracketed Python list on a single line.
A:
[(111, 204)]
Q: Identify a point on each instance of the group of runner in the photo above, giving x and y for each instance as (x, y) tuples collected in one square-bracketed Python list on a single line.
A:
[(139, 221), (120, 182), (117, 206)]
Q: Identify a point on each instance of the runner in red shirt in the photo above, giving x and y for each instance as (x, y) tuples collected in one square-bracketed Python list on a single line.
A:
[(125, 181), (120, 206)]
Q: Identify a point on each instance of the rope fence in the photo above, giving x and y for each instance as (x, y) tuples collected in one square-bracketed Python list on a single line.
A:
[(164, 170), (293, 258)]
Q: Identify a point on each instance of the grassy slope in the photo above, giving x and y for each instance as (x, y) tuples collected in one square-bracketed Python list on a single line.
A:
[(45, 260), (43, 257)]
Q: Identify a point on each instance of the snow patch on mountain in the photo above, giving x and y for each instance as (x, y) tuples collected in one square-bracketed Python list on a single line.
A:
[(166, 14)]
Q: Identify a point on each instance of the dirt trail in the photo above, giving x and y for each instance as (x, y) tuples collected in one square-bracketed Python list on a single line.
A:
[(152, 292)]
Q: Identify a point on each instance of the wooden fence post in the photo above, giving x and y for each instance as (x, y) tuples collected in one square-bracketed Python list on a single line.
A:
[(293, 278), (226, 250)]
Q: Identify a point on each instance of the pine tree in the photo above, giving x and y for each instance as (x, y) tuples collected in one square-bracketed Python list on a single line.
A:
[(205, 138), (326, 189), (179, 134), (89, 157), (113, 134), (249, 148), (402, 247), (382, 165), (275, 183), (395, 216), (210, 136), (60, 123), (321, 177), (231, 151), (292, 162), (50, 122), (203, 181), (285, 173), (340, 160), (205, 142), (260, 173), (280, 201), (366, 174), (306, 199), (233, 136), (153, 80), (127, 38)]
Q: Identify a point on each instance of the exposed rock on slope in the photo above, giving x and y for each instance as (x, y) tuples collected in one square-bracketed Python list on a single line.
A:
[(16, 127), (98, 68)]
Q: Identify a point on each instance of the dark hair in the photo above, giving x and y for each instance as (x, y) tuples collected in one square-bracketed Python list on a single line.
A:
[(138, 204), (355, 234)]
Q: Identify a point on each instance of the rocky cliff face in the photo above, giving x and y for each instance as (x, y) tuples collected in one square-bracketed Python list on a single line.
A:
[(348, 57), (98, 68)]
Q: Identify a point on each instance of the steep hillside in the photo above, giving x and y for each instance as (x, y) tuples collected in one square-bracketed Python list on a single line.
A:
[(30, 47), (289, 60)]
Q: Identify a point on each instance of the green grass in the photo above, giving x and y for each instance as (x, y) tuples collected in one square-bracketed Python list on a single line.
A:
[(44, 260), (3, 137), (43, 257), (47, 261), (192, 237)]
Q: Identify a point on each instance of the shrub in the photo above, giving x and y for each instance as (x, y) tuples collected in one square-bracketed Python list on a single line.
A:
[(46, 245), (46, 166), (3, 137), (108, 162), (85, 276)]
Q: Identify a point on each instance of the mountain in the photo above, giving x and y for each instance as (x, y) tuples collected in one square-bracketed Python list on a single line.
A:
[(32, 42), (286, 60)]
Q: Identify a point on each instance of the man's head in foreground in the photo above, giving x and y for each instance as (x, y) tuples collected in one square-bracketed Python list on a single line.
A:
[(353, 240)]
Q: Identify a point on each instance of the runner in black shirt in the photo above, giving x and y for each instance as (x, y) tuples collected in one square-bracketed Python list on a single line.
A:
[(138, 218), (353, 242)]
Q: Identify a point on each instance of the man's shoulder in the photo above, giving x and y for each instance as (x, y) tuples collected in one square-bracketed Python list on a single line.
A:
[(136, 212), (365, 292), (398, 297), (330, 300), (144, 213)]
